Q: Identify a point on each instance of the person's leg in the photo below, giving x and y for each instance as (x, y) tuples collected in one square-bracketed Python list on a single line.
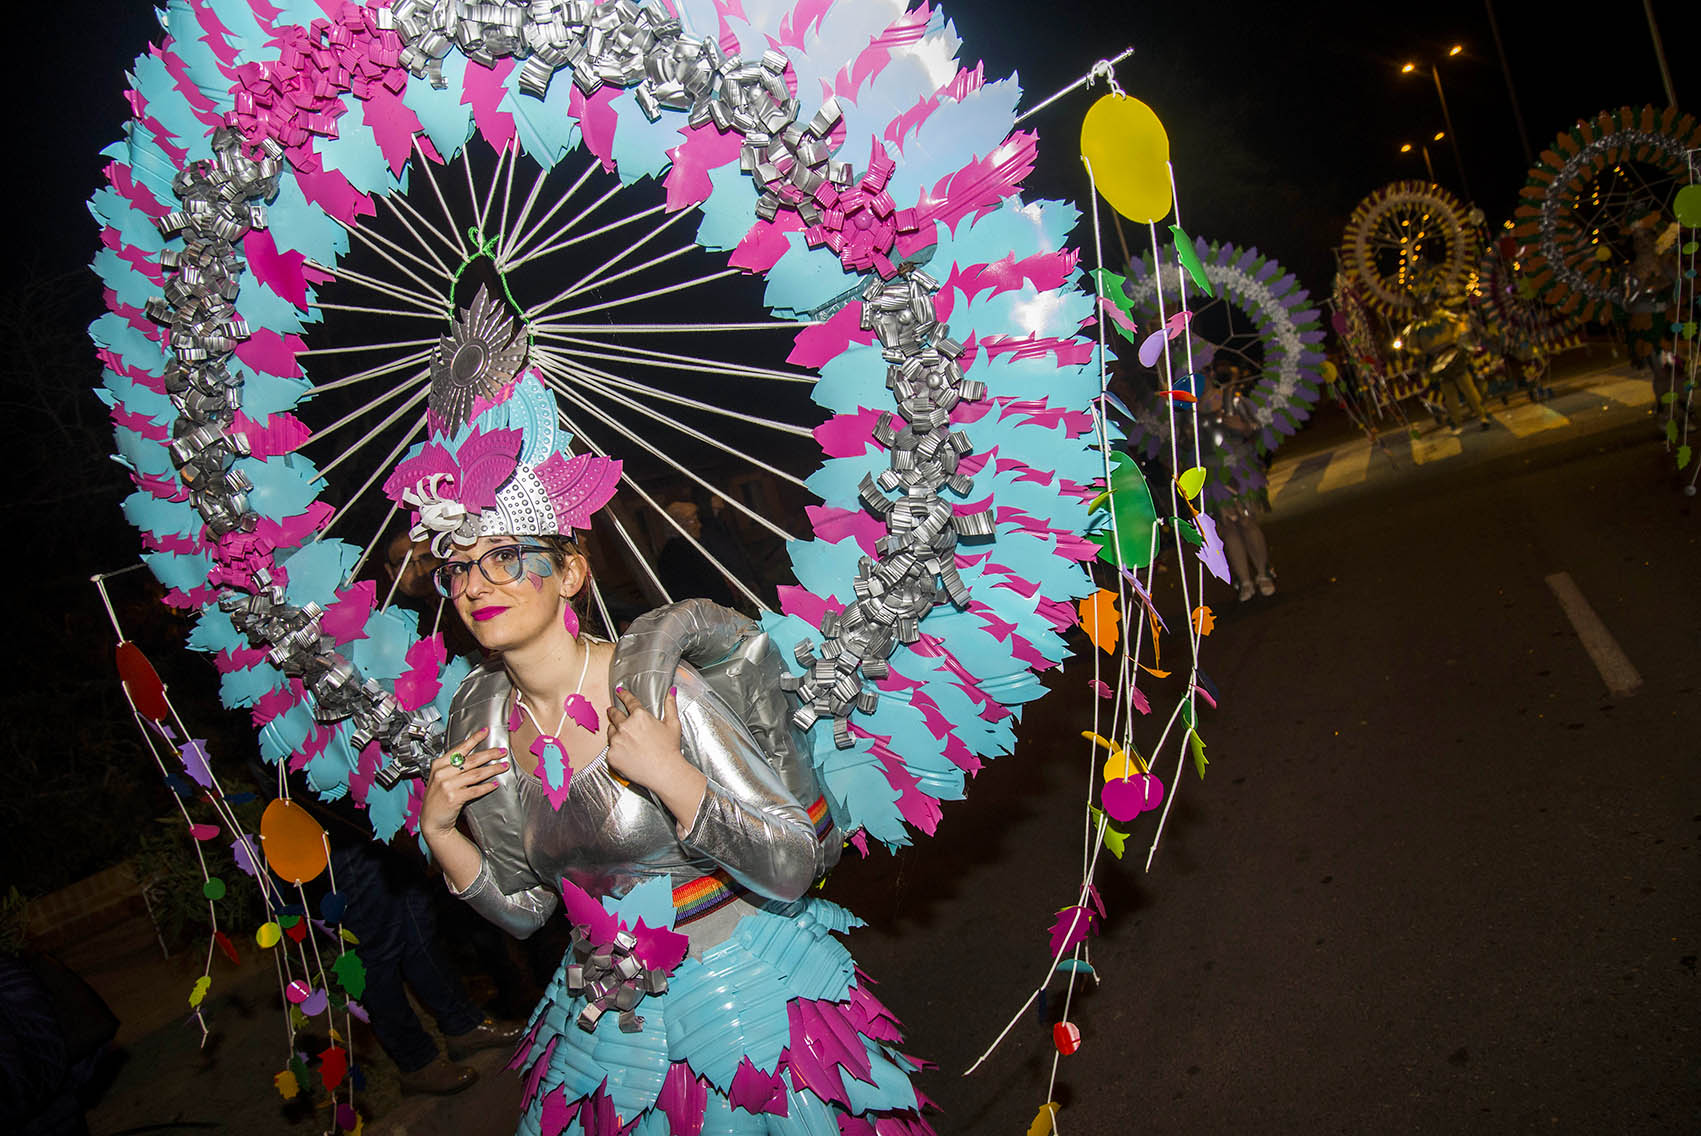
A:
[(1234, 545), (1257, 548), (434, 980), (376, 916)]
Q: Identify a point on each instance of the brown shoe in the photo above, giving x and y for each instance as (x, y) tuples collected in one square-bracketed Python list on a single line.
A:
[(488, 1034), (440, 1078)]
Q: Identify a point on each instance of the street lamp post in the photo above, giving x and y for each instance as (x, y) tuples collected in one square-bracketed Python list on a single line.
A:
[(1423, 148), (1446, 117)]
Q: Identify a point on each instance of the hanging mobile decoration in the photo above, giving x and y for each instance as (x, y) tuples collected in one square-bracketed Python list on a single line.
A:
[(1125, 151), (292, 847)]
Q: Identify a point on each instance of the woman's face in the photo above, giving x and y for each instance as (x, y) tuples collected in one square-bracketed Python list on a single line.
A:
[(508, 615)]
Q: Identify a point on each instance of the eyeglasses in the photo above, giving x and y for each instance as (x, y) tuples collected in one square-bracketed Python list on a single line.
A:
[(502, 565)]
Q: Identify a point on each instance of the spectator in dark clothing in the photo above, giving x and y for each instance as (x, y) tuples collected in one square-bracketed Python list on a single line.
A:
[(688, 574)]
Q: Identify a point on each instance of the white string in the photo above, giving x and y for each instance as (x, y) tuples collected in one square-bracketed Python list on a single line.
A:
[(669, 328), (396, 582), (548, 245), (402, 210), (591, 279), (378, 243), (382, 468), (666, 516), (399, 364), (520, 242), (664, 290), (506, 244), (507, 195), (1100, 69), (394, 344), (520, 701), (359, 412), (435, 317), (567, 376), (591, 282), (424, 300), (448, 214), (669, 396), (638, 554), (451, 239), (366, 551), (667, 360)]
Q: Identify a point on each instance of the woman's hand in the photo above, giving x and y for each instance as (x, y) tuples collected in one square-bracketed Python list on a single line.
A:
[(642, 747), (451, 786), (645, 749)]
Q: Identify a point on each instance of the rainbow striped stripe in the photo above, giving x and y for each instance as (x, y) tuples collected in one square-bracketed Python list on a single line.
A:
[(698, 897)]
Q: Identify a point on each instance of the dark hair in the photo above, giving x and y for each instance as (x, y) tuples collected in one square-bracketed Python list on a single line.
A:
[(561, 546)]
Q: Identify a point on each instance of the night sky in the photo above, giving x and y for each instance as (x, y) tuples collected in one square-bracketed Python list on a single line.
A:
[(1281, 116)]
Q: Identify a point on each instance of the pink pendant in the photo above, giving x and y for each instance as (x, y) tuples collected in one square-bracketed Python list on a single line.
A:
[(579, 708)]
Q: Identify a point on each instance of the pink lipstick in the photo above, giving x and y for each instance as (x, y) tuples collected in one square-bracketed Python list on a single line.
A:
[(484, 613)]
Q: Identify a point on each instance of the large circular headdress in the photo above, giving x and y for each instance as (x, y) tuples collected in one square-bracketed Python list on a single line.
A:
[(278, 155), (1401, 231), (1598, 207), (1261, 319)]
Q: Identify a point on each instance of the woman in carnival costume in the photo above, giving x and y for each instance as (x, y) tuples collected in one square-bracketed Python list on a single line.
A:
[(653, 788)]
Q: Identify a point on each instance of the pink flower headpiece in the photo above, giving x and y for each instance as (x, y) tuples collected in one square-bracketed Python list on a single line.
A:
[(498, 468)]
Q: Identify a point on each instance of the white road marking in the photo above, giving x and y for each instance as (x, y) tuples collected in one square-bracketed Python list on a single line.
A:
[(1627, 392), (1348, 467), (1609, 658), (1280, 473), (1530, 418), (1436, 446)]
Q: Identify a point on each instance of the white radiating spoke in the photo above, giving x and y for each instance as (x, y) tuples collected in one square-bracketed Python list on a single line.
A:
[(566, 383), (378, 372), (436, 317), (425, 301), (519, 243), (666, 328), (366, 549), (482, 212), (360, 412), (424, 163), (379, 470), (664, 290), (424, 390), (507, 243), (391, 345), (591, 279), (378, 243), (638, 490), (553, 244), (638, 555), (404, 210), (507, 194), (620, 382), (617, 352)]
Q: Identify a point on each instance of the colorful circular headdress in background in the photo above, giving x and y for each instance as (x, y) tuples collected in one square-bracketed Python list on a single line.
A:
[(1598, 207), (1261, 319), (1400, 230)]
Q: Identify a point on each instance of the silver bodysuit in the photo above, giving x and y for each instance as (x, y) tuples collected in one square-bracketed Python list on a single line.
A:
[(608, 837)]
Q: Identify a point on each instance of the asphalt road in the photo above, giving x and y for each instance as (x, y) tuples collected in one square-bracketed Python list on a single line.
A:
[(1436, 879)]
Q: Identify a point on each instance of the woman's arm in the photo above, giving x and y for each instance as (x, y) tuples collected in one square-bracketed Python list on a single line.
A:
[(728, 803), (449, 789)]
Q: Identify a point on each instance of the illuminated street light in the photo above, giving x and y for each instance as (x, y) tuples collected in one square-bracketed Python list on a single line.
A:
[(1406, 148), (1446, 116)]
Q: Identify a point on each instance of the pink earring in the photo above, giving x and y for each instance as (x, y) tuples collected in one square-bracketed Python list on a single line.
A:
[(570, 620)]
